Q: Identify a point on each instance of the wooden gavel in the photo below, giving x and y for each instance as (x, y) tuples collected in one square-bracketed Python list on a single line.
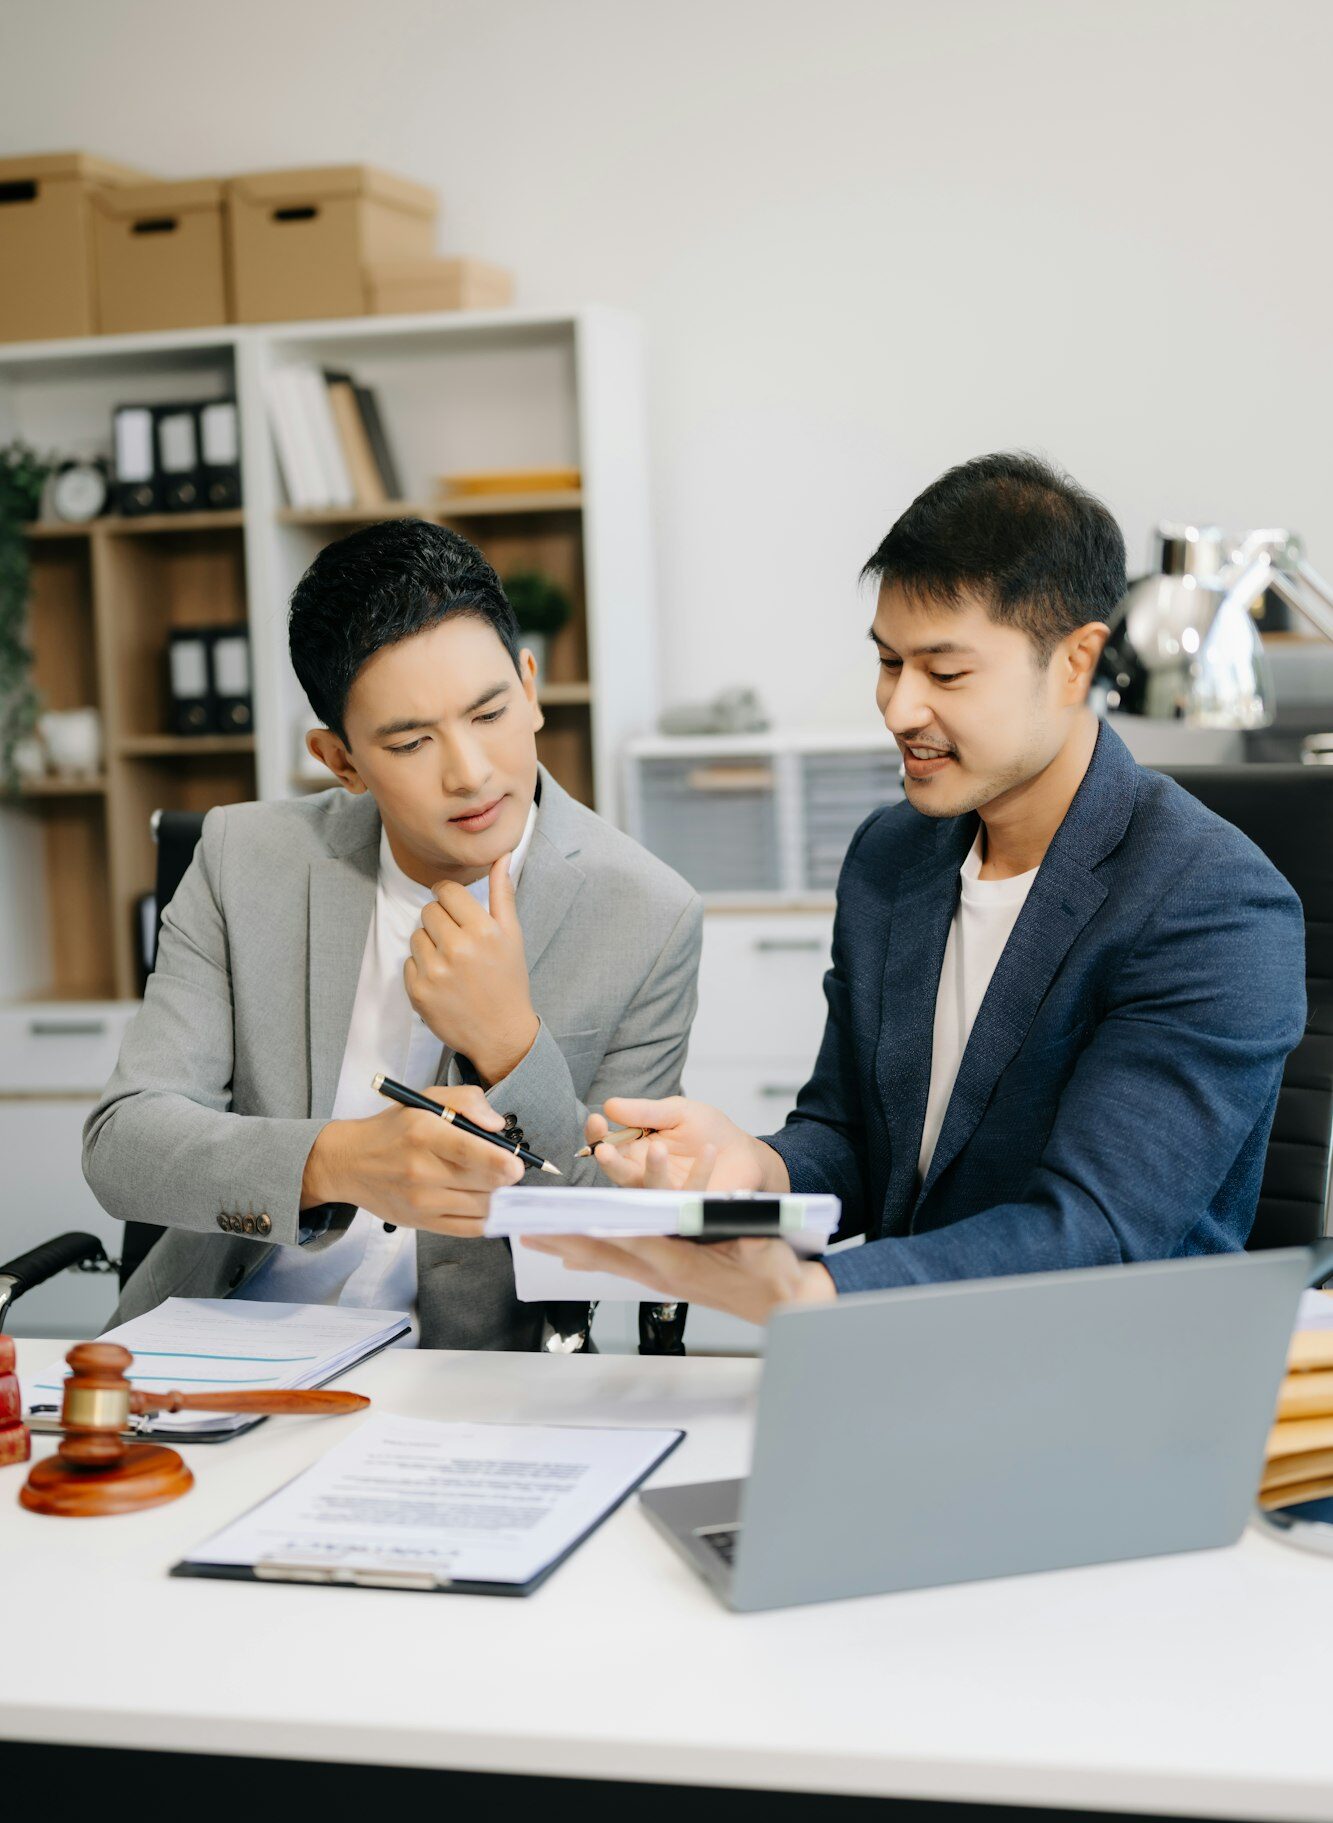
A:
[(95, 1470)]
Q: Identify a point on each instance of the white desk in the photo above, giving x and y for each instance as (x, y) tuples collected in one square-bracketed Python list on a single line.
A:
[(1199, 1685)]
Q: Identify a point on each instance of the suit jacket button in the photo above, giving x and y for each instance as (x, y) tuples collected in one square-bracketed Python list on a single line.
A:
[(263, 1225), (247, 1224)]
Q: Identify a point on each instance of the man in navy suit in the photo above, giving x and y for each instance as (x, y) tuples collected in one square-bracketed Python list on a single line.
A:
[(1062, 991)]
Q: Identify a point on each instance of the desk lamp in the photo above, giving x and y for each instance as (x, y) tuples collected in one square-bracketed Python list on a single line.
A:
[(1183, 643)]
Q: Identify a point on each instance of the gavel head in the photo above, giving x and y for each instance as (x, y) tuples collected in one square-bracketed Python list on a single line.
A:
[(96, 1406)]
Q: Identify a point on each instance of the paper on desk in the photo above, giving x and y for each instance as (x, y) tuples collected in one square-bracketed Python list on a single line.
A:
[(214, 1345), (487, 1503), (614, 1214), (1315, 1310)]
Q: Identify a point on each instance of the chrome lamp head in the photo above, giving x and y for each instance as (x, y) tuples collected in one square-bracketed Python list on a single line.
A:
[(1184, 645)]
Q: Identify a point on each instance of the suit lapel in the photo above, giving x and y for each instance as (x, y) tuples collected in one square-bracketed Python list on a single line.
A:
[(1064, 895), (922, 911), (549, 883), (342, 899), (1062, 899)]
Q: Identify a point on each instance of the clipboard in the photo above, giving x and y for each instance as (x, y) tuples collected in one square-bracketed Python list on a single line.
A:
[(400, 1566), (210, 1327)]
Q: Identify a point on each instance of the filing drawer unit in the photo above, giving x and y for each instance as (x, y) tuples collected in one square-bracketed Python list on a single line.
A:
[(762, 817), (759, 824), (54, 1064)]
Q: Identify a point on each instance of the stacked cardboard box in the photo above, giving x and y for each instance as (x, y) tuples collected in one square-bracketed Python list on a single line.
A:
[(47, 243), (88, 246)]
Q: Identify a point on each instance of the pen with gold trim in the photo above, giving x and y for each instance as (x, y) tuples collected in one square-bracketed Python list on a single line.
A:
[(408, 1098), (623, 1136)]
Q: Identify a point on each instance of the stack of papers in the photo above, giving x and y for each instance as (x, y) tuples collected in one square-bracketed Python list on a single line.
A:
[(1299, 1465), (214, 1345), (807, 1222), (413, 1503)]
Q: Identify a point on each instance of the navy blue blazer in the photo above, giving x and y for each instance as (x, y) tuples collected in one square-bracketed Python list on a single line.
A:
[(1117, 1091)]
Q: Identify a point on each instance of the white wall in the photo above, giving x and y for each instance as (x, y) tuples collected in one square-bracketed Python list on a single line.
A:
[(868, 238)]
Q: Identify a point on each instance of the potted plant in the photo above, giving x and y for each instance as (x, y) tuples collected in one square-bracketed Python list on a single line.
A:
[(23, 475), (541, 608)]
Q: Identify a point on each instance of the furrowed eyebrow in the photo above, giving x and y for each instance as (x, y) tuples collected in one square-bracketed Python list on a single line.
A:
[(407, 725), (939, 649), (487, 696)]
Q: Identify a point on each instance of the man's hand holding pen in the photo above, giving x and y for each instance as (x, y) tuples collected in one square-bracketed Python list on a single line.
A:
[(467, 976), (411, 1168), (672, 1135), (686, 1145)]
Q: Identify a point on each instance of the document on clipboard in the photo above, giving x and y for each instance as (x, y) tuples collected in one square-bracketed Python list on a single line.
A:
[(419, 1503), (223, 1345)]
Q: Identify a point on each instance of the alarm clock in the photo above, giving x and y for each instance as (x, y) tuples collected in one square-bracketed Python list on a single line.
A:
[(80, 490)]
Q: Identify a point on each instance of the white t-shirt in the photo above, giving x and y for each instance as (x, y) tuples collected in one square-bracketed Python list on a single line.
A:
[(367, 1266), (987, 912)]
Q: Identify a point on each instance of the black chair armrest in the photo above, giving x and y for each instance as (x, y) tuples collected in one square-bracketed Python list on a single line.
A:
[(43, 1262)]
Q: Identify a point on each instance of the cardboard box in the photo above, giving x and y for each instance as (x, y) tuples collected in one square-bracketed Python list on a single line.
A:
[(301, 241), (439, 284), (46, 242), (161, 256)]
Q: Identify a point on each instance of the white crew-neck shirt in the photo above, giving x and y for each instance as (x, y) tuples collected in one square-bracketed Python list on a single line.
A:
[(986, 913), (367, 1266)]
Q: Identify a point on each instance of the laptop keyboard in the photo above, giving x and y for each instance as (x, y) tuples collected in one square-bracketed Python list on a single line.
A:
[(722, 1539)]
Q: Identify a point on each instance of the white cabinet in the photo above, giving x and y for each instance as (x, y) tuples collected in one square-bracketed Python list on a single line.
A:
[(761, 1011), (760, 1020), (54, 1062)]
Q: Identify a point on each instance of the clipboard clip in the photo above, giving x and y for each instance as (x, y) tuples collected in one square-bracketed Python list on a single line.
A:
[(359, 1576)]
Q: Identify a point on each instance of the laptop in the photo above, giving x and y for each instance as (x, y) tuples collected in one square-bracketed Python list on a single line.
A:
[(945, 1433)]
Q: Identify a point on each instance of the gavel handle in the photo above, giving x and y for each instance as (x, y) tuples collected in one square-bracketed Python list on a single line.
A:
[(272, 1404)]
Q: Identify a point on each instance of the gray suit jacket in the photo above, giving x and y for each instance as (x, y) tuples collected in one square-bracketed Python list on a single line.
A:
[(230, 1068)]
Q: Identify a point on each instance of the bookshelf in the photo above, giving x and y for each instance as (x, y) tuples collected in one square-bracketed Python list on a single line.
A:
[(458, 391)]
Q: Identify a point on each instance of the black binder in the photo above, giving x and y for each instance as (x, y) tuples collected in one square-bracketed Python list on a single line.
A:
[(220, 454), (229, 680), (191, 691), (136, 460), (176, 439)]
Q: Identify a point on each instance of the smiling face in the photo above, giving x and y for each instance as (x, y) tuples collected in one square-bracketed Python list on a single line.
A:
[(441, 730), (975, 712)]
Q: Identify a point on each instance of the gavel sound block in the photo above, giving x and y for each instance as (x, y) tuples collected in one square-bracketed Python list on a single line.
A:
[(96, 1471)]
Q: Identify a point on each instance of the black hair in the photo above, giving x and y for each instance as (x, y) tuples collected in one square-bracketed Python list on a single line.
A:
[(380, 585), (1043, 554)]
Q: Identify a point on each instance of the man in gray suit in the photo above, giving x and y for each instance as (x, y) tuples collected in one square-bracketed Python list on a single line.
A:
[(448, 916)]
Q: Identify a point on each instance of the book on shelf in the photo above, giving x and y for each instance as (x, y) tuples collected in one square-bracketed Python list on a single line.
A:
[(336, 483), (331, 445), (294, 446), (381, 448), (367, 481)]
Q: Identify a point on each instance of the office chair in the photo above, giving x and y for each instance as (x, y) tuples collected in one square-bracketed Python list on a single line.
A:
[(176, 833), (1287, 811)]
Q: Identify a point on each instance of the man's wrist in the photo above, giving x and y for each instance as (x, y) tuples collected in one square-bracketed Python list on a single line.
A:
[(505, 1058), (321, 1180), (775, 1178), (817, 1284)]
